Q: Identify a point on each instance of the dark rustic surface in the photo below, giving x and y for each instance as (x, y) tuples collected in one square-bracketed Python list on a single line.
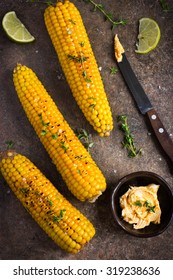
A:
[(20, 236)]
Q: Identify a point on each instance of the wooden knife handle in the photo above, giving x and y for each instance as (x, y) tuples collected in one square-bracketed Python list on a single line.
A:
[(161, 133)]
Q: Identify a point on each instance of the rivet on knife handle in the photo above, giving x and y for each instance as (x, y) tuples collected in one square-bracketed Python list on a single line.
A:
[(161, 133)]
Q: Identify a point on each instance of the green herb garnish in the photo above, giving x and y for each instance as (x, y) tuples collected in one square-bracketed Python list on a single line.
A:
[(10, 144), (79, 58), (42, 121), (92, 106), (108, 16), (138, 203), (44, 132), (63, 146), (147, 204), (37, 193), (113, 70), (165, 6), (55, 136), (43, 2), (128, 141), (50, 202), (84, 74), (151, 208), (72, 21), (85, 138), (57, 218), (82, 44), (24, 191)]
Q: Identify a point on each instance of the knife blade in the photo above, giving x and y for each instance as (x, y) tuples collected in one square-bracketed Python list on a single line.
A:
[(143, 103)]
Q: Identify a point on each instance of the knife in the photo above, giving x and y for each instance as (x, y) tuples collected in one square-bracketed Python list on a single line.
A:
[(143, 103)]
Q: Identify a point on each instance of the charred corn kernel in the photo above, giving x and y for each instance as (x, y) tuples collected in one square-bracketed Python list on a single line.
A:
[(69, 228), (71, 42), (81, 174)]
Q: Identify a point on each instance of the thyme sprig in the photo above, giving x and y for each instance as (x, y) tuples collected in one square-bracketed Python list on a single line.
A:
[(81, 58), (10, 144), (147, 204), (64, 146), (45, 125), (43, 2), (84, 137), (113, 70), (107, 15), (150, 208), (57, 218), (138, 203), (165, 6), (128, 141)]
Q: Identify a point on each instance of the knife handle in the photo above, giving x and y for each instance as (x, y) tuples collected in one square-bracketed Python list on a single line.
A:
[(161, 133)]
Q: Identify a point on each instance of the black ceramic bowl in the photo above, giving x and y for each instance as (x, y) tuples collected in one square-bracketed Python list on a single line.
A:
[(165, 197)]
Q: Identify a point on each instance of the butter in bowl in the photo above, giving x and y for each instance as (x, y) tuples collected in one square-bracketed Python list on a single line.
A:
[(142, 204)]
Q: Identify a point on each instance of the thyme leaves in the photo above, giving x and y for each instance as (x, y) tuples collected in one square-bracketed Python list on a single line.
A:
[(108, 16), (42, 2), (165, 6), (138, 203), (146, 204), (10, 144), (113, 70), (80, 58), (128, 141), (64, 146), (84, 137), (58, 218)]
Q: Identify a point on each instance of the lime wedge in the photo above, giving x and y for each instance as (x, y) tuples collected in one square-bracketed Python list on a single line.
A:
[(149, 35), (15, 29)]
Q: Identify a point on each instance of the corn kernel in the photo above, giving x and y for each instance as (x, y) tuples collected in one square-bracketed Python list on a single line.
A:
[(63, 146), (78, 62), (69, 228)]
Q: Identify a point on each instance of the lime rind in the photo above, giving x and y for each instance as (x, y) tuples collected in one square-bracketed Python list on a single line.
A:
[(15, 29), (149, 35)]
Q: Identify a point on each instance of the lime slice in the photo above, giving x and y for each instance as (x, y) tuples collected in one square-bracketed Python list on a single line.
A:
[(15, 28), (149, 35)]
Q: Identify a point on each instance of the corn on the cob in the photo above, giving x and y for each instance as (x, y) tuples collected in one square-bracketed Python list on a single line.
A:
[(81, 174), (66, 225), (71, 42)]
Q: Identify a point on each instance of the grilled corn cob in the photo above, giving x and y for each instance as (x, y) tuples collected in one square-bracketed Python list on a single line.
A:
[(83, 178), (71, 42), (69, 228)]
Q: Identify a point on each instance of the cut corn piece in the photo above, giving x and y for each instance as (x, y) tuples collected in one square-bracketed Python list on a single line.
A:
[(71, 42), (69, 228), (81, 174)]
